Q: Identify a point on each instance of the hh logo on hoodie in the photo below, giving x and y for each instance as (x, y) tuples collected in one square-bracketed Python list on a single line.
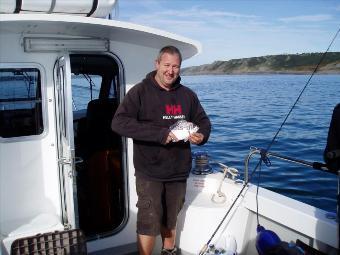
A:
[(173, 111)]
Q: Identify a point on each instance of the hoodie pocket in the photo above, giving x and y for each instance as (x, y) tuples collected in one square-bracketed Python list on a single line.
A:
[(148, 153)]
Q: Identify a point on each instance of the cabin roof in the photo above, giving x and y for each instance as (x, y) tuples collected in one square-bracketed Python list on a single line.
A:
[(59, 25)]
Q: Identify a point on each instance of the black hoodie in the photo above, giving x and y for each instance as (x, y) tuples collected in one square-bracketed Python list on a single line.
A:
[(333, 141), (146, 114)]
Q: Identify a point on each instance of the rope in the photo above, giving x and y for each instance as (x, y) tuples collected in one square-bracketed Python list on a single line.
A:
[(263, 157)]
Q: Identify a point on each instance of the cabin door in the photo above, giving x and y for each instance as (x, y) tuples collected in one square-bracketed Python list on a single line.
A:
[(65, 141)]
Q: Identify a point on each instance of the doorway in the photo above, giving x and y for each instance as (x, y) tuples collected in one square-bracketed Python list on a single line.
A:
[(99, 156)]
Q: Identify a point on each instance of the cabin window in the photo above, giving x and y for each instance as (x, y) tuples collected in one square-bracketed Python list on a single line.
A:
[(85, 87), (20, 102)]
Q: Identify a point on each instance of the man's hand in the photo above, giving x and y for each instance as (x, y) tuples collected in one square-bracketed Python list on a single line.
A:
[(171, 138), (196, 138)]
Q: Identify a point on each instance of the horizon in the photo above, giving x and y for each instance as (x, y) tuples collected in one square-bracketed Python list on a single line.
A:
[(241, 29), (271, 55)]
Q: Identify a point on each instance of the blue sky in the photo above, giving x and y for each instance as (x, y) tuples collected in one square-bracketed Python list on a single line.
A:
[(229, 29)]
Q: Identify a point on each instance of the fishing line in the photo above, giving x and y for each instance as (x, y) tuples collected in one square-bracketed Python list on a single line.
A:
[(264, 158), (263, 154), (303, 90)]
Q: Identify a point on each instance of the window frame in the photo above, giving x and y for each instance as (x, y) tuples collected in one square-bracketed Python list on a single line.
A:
[(43, 102)]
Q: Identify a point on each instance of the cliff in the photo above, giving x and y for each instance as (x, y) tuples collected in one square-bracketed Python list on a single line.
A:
[(272, 64)]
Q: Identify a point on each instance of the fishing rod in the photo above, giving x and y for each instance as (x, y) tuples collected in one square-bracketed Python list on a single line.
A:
[(264, 153), (315, 165), (262, 159)]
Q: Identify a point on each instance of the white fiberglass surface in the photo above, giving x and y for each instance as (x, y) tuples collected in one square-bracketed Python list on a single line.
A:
[(28, 183)]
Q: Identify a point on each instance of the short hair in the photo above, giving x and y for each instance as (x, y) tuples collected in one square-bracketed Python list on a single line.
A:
[(170, 50)]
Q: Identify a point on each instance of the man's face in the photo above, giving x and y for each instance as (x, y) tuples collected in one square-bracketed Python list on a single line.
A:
[(168, 68)]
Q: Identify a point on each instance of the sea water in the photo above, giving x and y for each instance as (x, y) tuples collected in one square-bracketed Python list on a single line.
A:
[(248, 110)]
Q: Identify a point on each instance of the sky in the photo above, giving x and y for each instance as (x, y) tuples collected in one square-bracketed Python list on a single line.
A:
[(232, 29)]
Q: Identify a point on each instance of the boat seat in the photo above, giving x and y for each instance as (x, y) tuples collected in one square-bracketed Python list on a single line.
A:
[(100, 179), (93, 129), (98, 129)]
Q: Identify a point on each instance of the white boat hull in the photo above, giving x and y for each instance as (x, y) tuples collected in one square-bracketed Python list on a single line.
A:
[(288, 218)]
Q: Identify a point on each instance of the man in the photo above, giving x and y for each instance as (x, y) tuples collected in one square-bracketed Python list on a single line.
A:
[(162, 162), (332, 150)]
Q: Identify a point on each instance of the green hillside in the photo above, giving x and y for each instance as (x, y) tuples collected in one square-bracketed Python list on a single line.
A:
[(285, 63)]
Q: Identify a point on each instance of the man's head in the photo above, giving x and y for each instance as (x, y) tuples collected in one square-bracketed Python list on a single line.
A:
[(168, 65)]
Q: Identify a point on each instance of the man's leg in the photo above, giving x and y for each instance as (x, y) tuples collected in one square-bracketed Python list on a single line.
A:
[(149, 213), (145, 244), (168, 238), (174, 200)]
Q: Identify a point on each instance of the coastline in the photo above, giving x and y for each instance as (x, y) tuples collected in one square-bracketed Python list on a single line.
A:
[(262, 73), (304, 63)]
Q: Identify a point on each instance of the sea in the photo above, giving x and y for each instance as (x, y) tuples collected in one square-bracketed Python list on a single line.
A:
[(248, 110)]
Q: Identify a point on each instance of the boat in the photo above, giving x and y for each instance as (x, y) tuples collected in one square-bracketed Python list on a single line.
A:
[(67, 182)]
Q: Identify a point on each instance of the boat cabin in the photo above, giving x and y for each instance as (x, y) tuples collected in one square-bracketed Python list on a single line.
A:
[(62, 76)]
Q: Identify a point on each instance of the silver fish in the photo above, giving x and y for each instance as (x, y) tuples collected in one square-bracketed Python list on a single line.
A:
[(182, 129)]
